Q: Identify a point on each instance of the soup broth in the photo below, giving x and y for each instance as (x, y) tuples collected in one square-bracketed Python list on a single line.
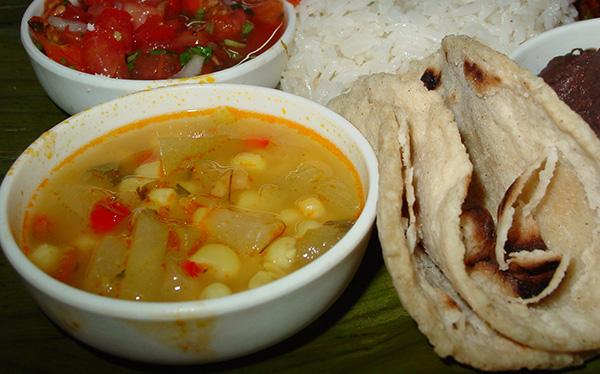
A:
[(192, 206)]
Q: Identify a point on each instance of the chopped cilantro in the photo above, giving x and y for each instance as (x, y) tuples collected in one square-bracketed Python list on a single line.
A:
[(246, 28), (199, 17), (181, 191), (210, 28), (205, 52), (233, 43), (131, 60)]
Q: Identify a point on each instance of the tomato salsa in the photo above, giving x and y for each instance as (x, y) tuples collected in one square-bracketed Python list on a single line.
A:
[(156, 39)]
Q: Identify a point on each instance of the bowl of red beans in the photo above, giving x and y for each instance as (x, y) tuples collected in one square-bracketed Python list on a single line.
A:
[(190, 224), (91, 51)]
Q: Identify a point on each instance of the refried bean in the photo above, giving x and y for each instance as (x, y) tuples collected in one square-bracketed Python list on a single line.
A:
[(575, 77)]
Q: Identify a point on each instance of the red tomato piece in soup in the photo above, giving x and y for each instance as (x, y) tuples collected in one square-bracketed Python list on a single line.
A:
[(107, 215), (103, 54)]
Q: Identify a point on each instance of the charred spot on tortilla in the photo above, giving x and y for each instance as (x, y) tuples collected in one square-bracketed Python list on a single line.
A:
[(479, 234), (497, 281), (431, 79), (481, 80), (524, 236), (530, 281), (518, 281)]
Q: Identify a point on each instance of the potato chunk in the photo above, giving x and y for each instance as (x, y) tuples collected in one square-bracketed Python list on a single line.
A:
[(243, 230), (144, 269)]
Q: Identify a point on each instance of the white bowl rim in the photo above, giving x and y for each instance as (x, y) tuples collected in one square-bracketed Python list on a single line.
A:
[(200, 308), (138, 84), (549, 35)]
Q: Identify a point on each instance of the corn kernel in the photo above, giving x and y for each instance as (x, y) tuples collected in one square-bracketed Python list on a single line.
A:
[(199, 216), (85, 243), (250, 161), (281, 252), (221, 186), (216, 289), (290, 216), (303, 226), (132, 183), (261, 277), (311, 207), (46, 257), (240, 179), (149, 170), (162, 196), (219, 258), (271, 197), (248, 199)]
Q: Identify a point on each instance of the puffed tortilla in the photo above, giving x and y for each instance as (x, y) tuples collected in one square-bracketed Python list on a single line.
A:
[(487, 158)]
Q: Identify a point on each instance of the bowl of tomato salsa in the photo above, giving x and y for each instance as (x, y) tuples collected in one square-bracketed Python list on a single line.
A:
[(192, 223), (85, 53)]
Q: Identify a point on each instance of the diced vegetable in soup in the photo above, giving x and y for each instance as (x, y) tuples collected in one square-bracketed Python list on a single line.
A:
[(192, 206)]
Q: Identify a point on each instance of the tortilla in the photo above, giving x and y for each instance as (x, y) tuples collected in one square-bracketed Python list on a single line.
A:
[(488, 213)]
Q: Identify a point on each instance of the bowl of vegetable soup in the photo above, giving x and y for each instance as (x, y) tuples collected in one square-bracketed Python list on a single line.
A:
[(191, 223), (85, 53)]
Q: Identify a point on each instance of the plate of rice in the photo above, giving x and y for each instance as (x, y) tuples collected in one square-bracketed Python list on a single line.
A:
[(339, 40)]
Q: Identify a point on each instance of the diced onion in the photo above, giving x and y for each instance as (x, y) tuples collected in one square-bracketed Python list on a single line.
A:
[(61, 24), (191, 69)]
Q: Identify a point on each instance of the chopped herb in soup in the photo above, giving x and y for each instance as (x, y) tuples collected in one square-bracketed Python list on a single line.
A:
[(191, 206)]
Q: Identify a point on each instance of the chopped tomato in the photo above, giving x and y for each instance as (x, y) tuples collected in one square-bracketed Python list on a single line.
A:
[(67, 267), (106, 215), (173, 241), (71, 12), (153, 30), (191, 7), (68, 54), (256, 142), (155, 66), (268, 11), (40, 227), (64, 48), (103, 54), (294, 2), (230, 32), (119, 23), (189, 38), (229, 26), (192, 268), (141, 12), (173, 8)]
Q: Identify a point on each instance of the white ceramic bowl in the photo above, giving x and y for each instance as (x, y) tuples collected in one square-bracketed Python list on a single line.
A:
[(535, 53), (74, 91), (194, 331)]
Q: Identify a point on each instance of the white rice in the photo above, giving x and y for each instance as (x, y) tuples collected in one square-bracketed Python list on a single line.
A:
[(339, 40)]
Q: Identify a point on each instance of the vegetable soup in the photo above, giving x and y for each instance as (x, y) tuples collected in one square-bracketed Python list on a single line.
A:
[(192, 205)]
